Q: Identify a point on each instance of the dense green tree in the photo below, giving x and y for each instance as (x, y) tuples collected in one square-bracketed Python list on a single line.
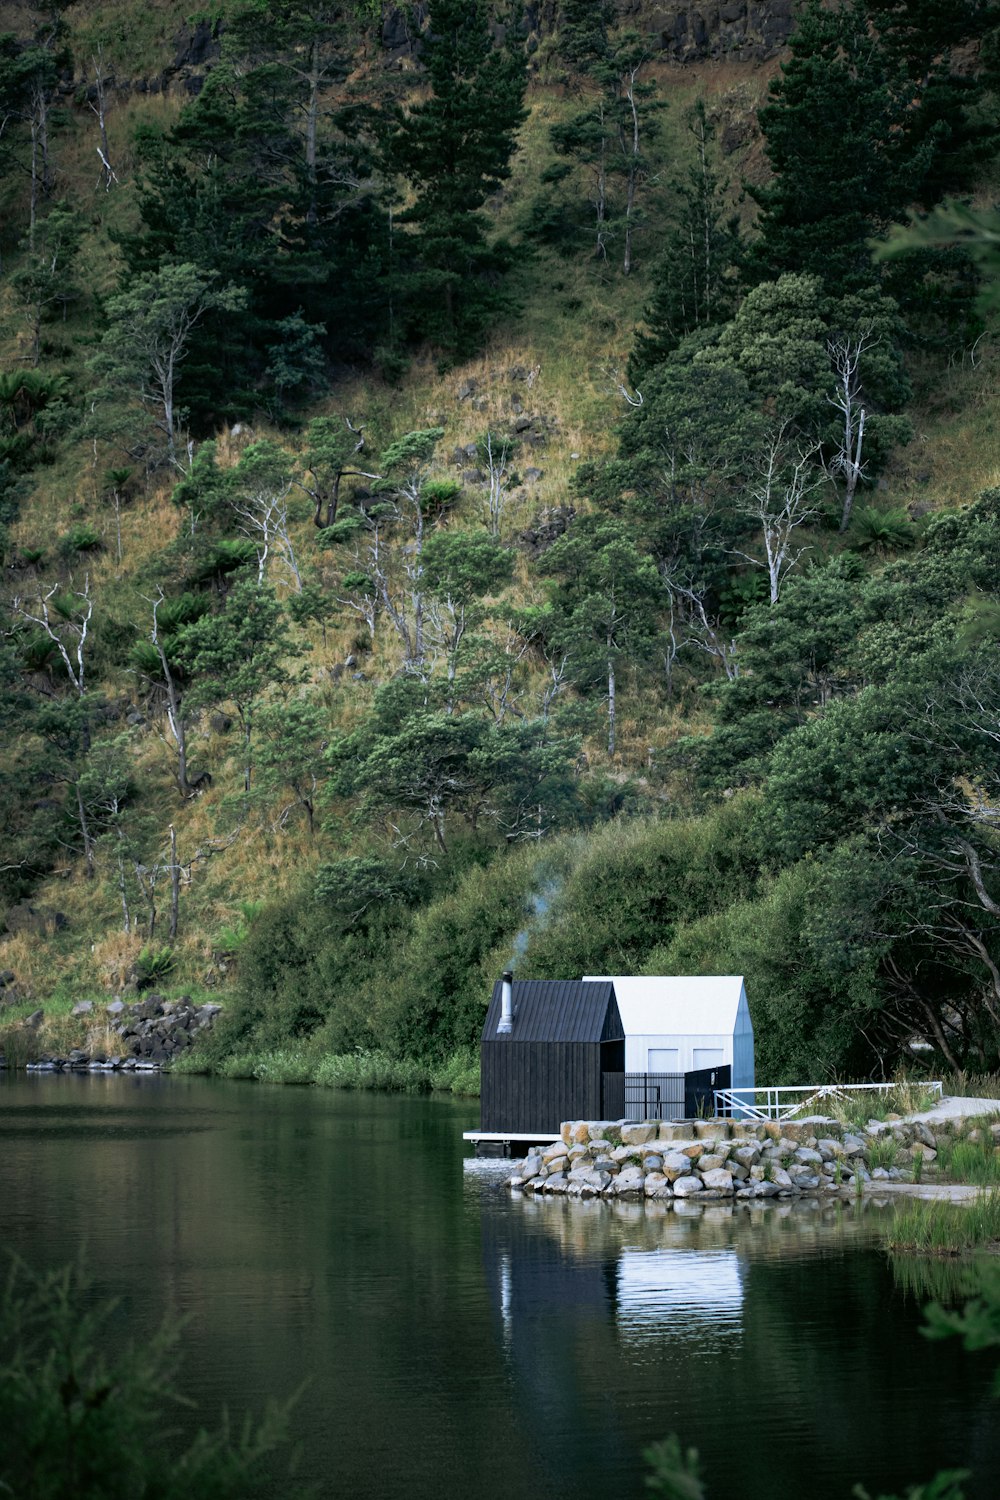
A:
[(237, 656), (30, 69), (606, 606), (150, 325), (838, 130), (461, 570), (292, 736), (955, 117), (266, 182), (453, 150), (437, 766), (333, 449), (45, 283)]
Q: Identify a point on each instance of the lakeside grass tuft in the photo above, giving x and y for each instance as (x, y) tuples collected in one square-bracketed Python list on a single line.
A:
[(943, 1228), (368, 1069), (906, 1096), (974, 1161)]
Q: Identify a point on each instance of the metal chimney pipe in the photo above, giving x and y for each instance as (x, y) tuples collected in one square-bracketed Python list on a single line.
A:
[(506, 1024)]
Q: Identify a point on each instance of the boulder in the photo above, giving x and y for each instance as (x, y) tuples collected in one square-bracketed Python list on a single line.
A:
[(687, 1187), (808, 1157), (638, 1135), (710, 1162), (82, 1008), (629, 1180), (652, 1163), (718, 1180), (676, 1164)]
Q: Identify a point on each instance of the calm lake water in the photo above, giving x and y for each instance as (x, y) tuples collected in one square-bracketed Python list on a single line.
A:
[(457, 1344)]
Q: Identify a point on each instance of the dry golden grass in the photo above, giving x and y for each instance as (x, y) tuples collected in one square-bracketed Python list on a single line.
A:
[(27, 957), (113, 955)]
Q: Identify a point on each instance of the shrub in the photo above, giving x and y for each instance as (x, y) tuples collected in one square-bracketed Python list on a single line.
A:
[(81, 538), (78, 1423)]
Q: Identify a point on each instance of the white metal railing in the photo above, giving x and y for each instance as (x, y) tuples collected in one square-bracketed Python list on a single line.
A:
[(783, 1103)]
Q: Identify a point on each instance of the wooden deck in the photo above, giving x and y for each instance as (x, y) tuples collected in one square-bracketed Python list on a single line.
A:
[(499, 1142)]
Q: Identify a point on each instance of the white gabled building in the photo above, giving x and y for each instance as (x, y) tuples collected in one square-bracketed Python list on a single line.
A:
[(683, 1023)]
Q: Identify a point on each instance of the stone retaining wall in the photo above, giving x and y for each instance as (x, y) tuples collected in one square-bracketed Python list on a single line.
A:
[(713, 1159)]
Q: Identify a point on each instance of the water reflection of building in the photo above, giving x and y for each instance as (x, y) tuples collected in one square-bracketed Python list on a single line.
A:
[(674, 1293)]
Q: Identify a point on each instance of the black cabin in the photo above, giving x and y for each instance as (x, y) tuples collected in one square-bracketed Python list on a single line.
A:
[(546, 1048)]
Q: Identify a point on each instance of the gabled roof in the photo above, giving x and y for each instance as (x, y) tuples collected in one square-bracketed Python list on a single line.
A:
[(558, 1010), (678, 1005)]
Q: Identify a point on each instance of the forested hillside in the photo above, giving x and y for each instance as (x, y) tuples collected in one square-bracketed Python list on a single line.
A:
[(483, 481)]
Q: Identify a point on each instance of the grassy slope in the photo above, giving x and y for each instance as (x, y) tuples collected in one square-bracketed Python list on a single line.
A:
[(575, 326)]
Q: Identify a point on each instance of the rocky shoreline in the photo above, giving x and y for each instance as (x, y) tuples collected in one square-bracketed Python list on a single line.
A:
[(152, 1032), (719, 1159)]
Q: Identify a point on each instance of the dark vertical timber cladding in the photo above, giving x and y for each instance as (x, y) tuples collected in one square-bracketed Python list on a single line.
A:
[(548, 1069)]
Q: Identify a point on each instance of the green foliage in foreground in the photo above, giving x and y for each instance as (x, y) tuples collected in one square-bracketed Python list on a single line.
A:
[(77, 1423)]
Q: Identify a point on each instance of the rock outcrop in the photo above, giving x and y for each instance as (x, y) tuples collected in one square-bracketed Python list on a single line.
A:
[(152, 1033)]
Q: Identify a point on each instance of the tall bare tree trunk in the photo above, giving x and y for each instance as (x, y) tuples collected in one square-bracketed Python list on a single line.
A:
[(175, 884)]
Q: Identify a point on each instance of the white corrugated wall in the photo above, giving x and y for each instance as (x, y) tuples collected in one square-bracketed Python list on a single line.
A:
[(639, 1045)]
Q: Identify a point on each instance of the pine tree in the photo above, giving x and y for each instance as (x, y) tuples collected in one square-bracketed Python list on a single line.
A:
[(610, 134), (695, 277), (839, 137), (454, 151)]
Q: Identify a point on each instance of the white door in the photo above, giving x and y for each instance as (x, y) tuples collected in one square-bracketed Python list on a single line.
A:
[(707, 1057), (663, 1060)]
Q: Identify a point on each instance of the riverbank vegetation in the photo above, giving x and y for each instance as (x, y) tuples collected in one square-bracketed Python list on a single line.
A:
[(937, 1227), (556, 539)]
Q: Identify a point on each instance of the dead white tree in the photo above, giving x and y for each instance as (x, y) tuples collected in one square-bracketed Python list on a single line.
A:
[(98, 107), (846, 355), (175, 717), (262, 511), (702, 631), (495, 453), (778, 499), (67, 630)]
